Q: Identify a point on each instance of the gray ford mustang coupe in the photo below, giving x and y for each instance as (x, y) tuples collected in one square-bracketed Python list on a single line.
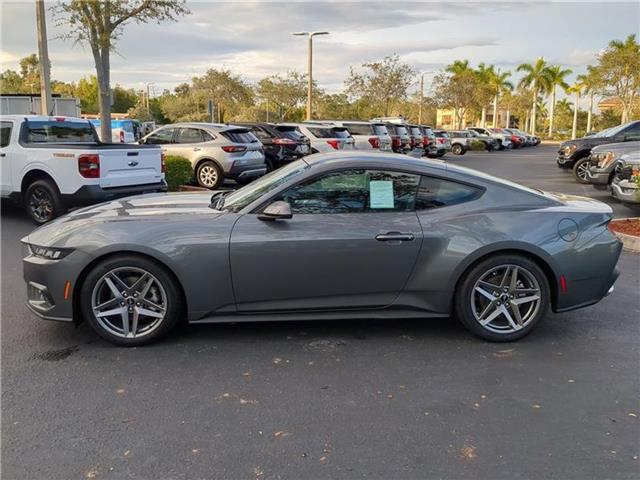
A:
[(334, 236)]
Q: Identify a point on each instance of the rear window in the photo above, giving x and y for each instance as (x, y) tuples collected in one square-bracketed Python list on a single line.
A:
[(239, 136), (290, 132), (436, 192), (59, 132), (359, 128), (428, 132), (400, 130), (329, 132), (441, 135), (415, 131), (380, 130)]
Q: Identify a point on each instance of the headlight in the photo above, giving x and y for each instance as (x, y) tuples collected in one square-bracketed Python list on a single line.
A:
[(605, 159), (50, 253), (569, 149)]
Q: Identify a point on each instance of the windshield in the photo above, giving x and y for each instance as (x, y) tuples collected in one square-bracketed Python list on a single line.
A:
[(246, 195), (612, 132)]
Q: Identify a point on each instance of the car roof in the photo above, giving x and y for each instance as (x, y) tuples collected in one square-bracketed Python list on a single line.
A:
[(40, 118), (211, 126), (398, 160)]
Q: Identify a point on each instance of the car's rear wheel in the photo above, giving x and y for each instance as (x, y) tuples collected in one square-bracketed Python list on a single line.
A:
[(502, 298), (209, 175), (581, 170), (43, 201), (457, 149), (130, 300)]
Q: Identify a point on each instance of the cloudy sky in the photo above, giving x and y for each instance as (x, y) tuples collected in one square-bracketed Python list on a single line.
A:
[(254, 39)]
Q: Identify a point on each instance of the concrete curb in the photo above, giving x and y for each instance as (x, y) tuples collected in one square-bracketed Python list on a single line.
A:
[(629, 242)]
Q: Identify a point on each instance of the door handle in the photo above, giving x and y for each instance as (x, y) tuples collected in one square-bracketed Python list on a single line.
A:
[(395, 236), (197, 149)]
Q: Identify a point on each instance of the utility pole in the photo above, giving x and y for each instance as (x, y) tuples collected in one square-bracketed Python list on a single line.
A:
[(310, 35), (45, 67)]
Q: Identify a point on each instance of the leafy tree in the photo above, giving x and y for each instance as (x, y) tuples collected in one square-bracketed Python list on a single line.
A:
[(576, 89), (30, 72), (537, 79), (498, 84), (592, 85), (124, 99), (228, 91), (556, 77), (283, 96), (87, 91), (100, 24), (458, 91), (382, 84), (458, 66), (619, 70), (11, 82)]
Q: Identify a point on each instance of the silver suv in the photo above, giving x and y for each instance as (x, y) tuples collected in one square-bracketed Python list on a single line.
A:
[(216, 151)]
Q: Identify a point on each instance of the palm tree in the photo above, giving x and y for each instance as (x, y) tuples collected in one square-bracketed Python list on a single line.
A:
[(556, 79), (537, 78), (459, 66), (576, 88), (498, 83), (592, 84)]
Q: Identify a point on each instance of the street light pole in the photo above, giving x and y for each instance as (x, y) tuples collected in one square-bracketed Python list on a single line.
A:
[(310, 36), (43, 52), (421, 99)]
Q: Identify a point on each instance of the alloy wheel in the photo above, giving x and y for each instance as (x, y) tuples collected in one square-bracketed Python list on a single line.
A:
[(129, 302), (582, 170), (41, 204), (505, 299), (208, 176)]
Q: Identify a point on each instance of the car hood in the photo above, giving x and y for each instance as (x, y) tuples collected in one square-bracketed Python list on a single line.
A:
[(141, 208), (619, 148), (586, 142)]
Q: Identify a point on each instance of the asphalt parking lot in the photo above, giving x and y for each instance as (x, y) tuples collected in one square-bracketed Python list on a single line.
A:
[(401, 399)]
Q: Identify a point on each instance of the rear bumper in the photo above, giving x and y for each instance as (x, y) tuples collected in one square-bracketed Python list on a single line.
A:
[(90, 194), (242, 173)]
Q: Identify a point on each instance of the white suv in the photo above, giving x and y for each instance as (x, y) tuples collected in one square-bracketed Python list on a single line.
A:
[(367, 135), (326, 138)]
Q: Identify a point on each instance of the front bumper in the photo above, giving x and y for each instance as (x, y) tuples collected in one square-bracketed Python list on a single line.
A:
[(626, 191), (598, 177), (564, 162), (90, 194), (46, 284)]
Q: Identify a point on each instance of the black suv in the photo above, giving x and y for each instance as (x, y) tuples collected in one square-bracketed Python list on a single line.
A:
[(282, 143), (575, 153)]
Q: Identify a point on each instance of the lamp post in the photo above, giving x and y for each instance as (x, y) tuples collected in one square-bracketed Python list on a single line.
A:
[(310, 36), (148, 84), (43, 55), (421, 96)]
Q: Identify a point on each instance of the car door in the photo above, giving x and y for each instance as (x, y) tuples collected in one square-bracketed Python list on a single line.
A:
[(352, 242), (188, 143), (6, 128)]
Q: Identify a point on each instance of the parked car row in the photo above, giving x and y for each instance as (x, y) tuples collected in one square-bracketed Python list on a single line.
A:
[(608, 160)]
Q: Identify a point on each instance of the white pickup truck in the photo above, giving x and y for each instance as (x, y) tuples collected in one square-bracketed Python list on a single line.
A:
[(52, 163)]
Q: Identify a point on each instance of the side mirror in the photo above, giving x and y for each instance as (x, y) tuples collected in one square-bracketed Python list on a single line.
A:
[(276, 211)]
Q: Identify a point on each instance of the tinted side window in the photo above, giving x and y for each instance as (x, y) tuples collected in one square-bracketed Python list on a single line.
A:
[(189, 135), (59, 132), (354, 191), (5, 133), (632, 133), (161, 137), (260, 133), (358, 128), (436, 192)]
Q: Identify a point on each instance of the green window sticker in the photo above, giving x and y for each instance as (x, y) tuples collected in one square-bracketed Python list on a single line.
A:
[(381, 194)]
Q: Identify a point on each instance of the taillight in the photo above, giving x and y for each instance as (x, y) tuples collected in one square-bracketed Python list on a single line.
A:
[(440, 140), (163, 164), (334, 143), (234, 148), (395, 141), (375, 142), (89, 165), (121, 136), (425, 141), (412, 141), (59, 119), (284, 141), (515, 139)]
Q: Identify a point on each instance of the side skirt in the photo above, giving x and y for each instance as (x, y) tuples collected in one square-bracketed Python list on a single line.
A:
[(334, 315)]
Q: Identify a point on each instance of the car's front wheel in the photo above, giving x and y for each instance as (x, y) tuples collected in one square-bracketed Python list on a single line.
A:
[(581, 170), (502, 298), (457, 149), (130, 300)]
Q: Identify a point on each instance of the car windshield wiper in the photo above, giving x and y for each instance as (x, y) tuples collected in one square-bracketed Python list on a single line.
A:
[(217, 199)]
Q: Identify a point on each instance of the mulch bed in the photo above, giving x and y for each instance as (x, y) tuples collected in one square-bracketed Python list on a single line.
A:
[(629, 226)]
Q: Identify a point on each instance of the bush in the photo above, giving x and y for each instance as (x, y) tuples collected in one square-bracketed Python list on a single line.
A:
[(477, 145), (178, 171)]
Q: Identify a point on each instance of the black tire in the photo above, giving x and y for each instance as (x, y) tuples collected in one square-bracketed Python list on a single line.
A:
[(457, 149), (209, 175), (466, 290), (43, 201), (173, 297), (580, 169), (499, 145), (269, 164)]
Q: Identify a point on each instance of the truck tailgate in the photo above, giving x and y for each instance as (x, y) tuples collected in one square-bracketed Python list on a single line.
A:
[(134, 166)]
